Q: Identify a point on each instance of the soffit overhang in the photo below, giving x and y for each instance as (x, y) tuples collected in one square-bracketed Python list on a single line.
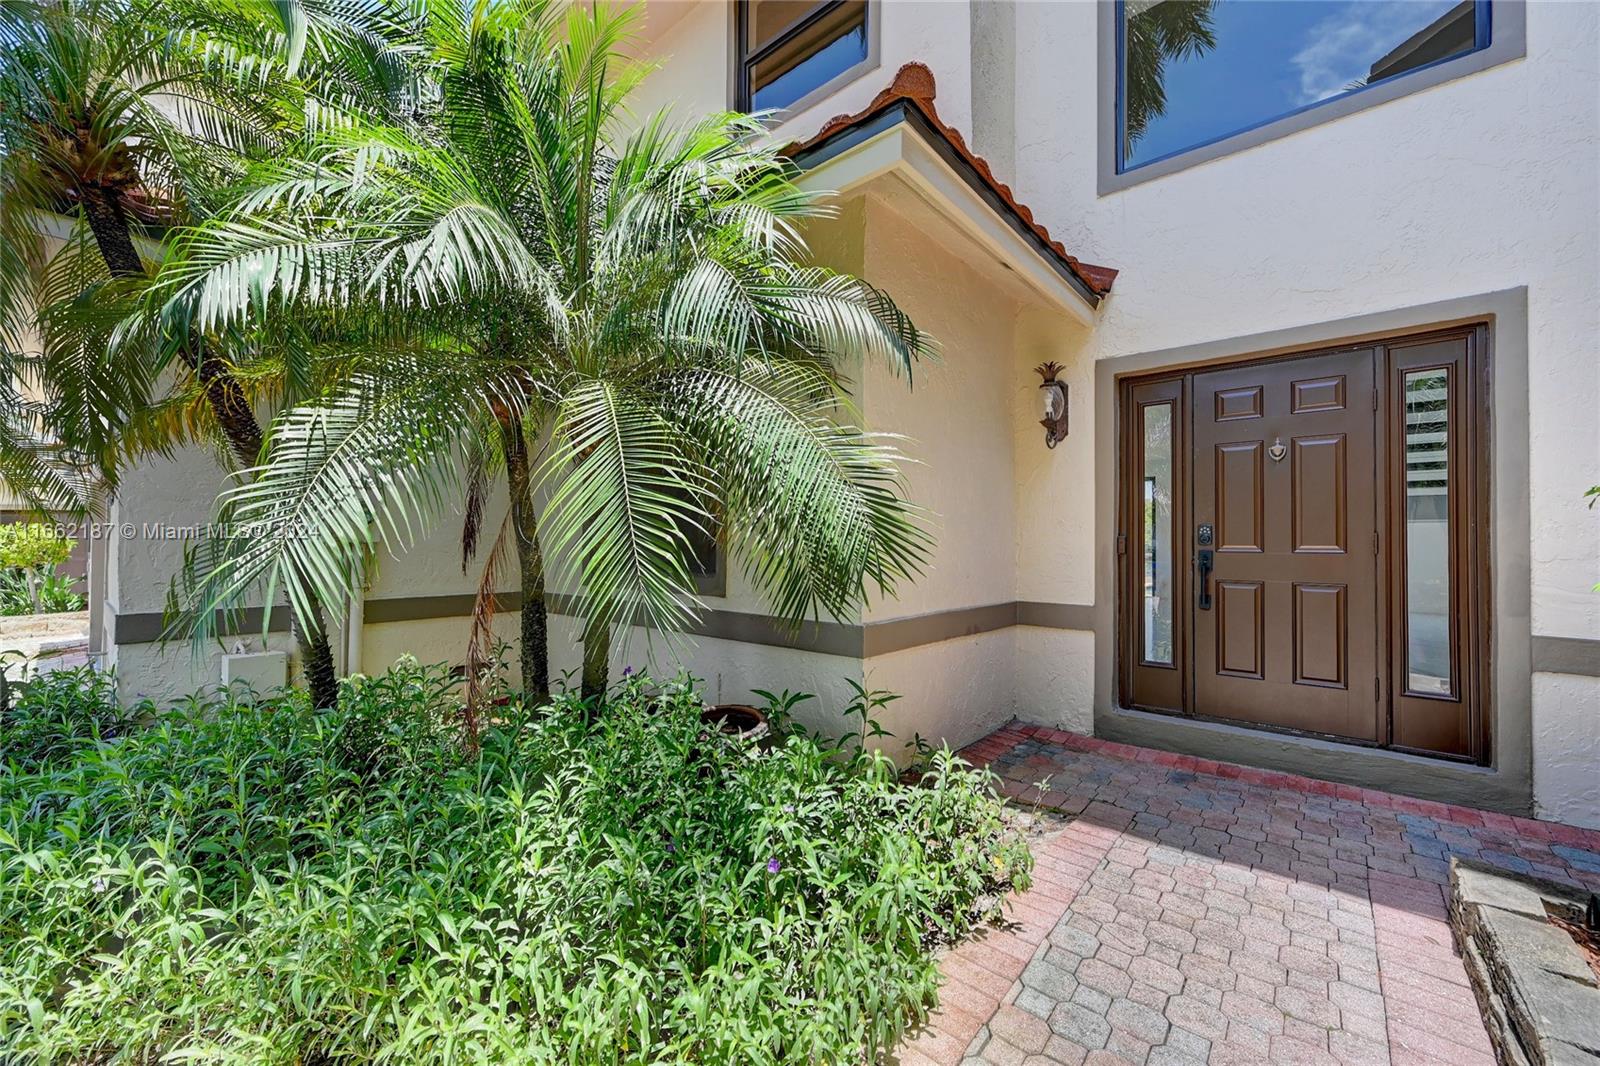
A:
[(900, 135)]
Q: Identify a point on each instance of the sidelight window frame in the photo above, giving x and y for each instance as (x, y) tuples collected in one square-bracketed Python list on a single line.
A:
[(1147, 684), (1413, 712), (1501, 37)]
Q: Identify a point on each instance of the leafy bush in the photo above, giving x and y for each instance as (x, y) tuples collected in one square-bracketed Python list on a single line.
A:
[(29, 584), (57, 714), (268, 883), (30, 545), (49, 593)]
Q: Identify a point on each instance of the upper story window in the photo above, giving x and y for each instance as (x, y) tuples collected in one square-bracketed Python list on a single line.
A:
[(1200, 78), (790, 52)]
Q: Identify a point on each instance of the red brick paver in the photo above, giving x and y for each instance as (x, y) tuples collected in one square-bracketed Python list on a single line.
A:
[(1200, 912)]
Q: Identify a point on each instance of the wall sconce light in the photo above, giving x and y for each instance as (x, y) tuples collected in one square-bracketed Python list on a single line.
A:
[(1055, 403)]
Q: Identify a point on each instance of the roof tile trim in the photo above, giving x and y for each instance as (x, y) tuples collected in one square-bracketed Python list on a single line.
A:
[(914, 84)]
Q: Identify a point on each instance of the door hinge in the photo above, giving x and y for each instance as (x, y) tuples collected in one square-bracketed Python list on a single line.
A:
[(1122, 544), (1374, 399), (1377, 688), (1374, 542)]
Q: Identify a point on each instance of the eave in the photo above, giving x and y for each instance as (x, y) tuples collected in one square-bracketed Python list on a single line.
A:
[(900, 134)]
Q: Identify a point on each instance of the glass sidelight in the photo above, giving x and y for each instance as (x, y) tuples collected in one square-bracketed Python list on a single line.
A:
[(1152, 611), (1428, 592), (1157, 572), (1438, 621)]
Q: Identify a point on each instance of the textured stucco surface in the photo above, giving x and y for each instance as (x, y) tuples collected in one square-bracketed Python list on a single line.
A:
[(1566, 748), (1479, 185), (953, 691), (165, 675), (954, 416), (1473, 186), (1055, 677)]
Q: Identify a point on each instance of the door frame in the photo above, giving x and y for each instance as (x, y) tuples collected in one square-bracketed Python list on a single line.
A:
[(1471, 516)]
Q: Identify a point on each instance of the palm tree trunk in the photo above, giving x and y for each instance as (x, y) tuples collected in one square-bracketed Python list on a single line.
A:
[(596, 659), (535, 642), (112, 236)]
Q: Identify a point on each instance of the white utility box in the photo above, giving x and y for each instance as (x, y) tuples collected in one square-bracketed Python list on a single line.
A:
[(262, 671)]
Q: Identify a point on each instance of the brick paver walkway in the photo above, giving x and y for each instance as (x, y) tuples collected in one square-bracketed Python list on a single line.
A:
[(1197, 912)]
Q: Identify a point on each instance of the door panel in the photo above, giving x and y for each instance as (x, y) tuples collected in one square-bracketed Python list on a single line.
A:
[(1321, 636), (1238, 496), (1318, 490), (1240, 633), (1291, 638)]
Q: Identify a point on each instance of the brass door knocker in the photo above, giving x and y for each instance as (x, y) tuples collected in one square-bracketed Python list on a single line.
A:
[(1277, 451)]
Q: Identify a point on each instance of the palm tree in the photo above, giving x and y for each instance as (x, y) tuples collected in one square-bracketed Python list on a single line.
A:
[(124, 118), (1158, 31), (624, 325)]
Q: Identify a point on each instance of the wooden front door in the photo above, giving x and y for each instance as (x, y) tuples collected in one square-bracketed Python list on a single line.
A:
[(1301, 543), (1285, 621)]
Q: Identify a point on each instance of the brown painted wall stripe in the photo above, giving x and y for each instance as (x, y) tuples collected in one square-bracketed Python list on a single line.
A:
[(826, 638), (146, 628), (901, 634), (1056, 615), (1566, 655)]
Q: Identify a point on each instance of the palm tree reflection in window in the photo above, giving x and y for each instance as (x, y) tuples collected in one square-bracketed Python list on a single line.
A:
[(1156, 32)]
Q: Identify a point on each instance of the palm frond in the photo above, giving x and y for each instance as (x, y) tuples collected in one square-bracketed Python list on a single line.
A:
[(621, 496), (814, 509), (370, 465)]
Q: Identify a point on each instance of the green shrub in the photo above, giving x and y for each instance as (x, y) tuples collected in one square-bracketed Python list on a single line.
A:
[(29, 584), (268, 883), (47, 593), (57, 714), (30, 545)]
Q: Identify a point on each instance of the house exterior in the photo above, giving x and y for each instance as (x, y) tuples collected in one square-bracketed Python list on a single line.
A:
[(1331, 381)]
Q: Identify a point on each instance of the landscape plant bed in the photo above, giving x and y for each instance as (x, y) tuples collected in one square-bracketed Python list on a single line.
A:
[(268, 883), (1529, 954)]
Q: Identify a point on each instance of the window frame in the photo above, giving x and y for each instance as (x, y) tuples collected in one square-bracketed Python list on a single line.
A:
[(715, 581), (742, 63), (1502, 22)]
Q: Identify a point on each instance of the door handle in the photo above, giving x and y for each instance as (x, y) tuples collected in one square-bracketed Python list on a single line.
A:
[(1203, 563)]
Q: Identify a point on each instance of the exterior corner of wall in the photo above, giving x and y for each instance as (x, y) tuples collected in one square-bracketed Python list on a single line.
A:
[(994, 83), (953, 692), (1566, 748), (1055, 678)]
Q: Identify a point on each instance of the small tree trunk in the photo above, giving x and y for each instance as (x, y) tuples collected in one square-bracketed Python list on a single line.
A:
[(232, 409), (227, 400), (596, 659), (535, 642)]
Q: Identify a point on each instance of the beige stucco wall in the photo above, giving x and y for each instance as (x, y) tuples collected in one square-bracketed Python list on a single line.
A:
[(1566, 747), (156, 500), (954, 416), (1478, 185)]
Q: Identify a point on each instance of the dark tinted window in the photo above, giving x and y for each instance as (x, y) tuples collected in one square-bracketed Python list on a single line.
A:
[(1191, 72), (787, 48)]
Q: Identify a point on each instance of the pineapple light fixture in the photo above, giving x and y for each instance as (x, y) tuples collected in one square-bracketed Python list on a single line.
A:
[(1055, 403)]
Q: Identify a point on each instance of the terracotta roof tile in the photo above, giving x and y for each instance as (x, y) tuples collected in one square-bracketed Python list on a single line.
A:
[(914, 84)]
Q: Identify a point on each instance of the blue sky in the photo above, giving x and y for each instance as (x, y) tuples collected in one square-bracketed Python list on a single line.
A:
[(1273, 56)]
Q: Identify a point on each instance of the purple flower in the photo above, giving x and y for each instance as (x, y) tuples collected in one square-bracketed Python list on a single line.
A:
[(627, 671), (773, 866), (671, 846)]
